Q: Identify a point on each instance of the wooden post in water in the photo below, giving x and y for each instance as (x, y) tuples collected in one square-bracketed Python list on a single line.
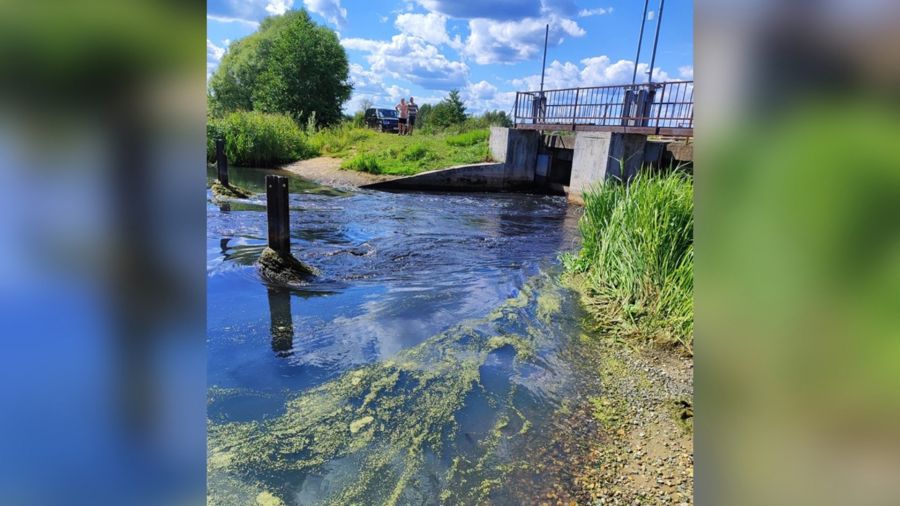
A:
[(277, 207), (221, 161)]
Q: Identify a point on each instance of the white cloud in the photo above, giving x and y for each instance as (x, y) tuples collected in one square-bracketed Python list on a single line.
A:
[(511, 41), (331, 10), (411, 58), (213, 51), (226, 19), (431, 27), (595, 71), (686, 72), (599, 11), (278, 7), (481, 90), (367, 45)]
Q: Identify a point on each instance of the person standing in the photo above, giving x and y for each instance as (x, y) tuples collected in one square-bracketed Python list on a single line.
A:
[(412, 111), (403, 109)]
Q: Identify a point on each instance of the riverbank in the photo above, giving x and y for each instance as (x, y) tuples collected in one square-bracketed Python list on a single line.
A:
[(633, 427), (327, 171)]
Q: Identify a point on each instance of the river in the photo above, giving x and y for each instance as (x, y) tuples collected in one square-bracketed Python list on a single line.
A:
[(423, 366)]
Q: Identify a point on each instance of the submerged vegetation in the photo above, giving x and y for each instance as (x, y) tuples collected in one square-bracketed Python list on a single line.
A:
[(382, 431), (637, 257)]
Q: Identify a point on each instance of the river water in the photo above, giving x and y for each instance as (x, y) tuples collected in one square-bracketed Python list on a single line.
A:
[(423, 366)]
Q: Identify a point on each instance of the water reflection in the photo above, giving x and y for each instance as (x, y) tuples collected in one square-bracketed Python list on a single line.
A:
[(281, 324)]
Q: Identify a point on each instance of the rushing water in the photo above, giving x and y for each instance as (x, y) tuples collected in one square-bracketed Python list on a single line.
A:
[(421, 366)]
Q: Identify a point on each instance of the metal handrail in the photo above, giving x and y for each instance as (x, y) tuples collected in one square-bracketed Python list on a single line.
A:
[(666, 108)]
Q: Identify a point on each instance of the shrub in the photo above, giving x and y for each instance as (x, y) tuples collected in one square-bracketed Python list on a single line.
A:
[(469, 138), (638, 255), (255, 139), (213, 132), (364, 163)]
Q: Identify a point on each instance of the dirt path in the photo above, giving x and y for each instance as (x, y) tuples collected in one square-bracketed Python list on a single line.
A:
[(326, 170)]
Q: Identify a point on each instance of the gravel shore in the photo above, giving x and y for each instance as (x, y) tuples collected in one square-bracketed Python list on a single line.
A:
[(628, 439)]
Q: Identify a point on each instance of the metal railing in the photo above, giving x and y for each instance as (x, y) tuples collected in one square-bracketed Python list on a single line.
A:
[(654, 109)]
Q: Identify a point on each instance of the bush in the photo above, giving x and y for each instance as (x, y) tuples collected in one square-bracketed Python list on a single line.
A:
[(364, 163), (255, 139), (469, 138), (638, 256)]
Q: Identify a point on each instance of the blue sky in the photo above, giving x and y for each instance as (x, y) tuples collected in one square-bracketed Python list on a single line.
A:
[(488, 49)]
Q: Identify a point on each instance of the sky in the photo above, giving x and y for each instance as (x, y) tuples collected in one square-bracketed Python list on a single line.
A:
[(487, 49)]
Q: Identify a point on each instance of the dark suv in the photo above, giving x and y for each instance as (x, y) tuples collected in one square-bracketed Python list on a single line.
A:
[(383, 120)]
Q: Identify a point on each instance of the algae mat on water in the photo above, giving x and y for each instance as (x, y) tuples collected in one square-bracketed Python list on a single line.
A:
[(394, 432)]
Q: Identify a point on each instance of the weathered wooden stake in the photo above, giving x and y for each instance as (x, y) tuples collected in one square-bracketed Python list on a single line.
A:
[(277, 207), (222, 161)]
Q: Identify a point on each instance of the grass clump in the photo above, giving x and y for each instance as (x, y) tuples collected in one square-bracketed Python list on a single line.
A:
[(339, 140), (415, 152), (256, 139), (470, 138), (637, 257), (363, 163)]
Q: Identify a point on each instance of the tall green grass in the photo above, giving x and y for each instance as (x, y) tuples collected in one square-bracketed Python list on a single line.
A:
[(339, 140), (469, 138), (255, 139), (637, 257)]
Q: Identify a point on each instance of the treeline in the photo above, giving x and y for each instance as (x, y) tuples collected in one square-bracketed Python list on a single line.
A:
[(447, 115)]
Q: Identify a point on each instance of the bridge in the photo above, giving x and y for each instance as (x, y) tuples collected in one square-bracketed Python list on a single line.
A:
[(665, 109)]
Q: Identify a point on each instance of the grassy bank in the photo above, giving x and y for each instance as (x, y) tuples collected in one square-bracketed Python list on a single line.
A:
[(263, 140), (637, 258), (384, 153)]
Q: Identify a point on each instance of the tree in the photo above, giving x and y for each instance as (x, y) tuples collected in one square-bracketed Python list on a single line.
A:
[(497, 118), (365, 104), (290, 65), (447, 112)]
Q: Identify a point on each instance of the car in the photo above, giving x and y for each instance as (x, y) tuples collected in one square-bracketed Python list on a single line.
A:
[(381, 119)]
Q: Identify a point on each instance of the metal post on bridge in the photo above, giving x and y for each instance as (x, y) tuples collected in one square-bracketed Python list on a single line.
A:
[(221, 162), (277, 210)]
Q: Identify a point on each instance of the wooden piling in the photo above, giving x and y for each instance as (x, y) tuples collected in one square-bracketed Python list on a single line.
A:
[(221, 161), (277, 207)]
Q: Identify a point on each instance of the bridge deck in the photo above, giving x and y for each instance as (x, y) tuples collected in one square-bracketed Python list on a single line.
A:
[(650, 109)]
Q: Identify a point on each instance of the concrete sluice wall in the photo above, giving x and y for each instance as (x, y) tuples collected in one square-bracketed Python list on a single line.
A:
[(529, 161)]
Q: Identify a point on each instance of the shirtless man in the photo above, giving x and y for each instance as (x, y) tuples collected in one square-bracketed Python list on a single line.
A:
[(403, 109)]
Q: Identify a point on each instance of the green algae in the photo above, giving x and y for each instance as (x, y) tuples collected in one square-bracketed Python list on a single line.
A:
[(283, 269), (221, 191), (383, 419), (549, 303), (356, 425)]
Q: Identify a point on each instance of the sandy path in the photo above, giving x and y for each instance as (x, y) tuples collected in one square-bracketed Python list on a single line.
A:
[(326, 170)]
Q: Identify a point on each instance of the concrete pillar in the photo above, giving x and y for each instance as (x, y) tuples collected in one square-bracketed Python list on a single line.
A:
[(601, 156), (518, 150)]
